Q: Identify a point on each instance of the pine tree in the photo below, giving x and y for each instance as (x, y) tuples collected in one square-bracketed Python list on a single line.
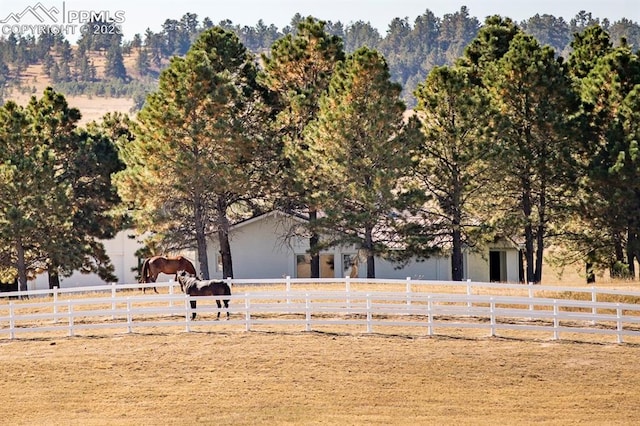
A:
[(197, 139), (114, 67), (454, 161), (610, 163), (57, 181), (298, 71), (534, 173), (143, 65), (359, 148)]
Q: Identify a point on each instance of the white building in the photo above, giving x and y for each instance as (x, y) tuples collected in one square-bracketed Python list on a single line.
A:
[(121, 250), (260, 249)]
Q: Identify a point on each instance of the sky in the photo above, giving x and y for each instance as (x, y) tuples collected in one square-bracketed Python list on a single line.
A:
[(137, 16)]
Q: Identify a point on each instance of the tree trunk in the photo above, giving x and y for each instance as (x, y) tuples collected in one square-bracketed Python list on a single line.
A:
[(314, 240), (528, 236), (225, 252), (22, 266), (539, 254), (616, 269), (457, 267), (591, 275), (631, 253), (368, 245), (223, 238), (201, 240)]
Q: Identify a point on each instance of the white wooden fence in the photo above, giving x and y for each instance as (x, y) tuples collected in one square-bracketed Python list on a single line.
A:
[(431, 307)]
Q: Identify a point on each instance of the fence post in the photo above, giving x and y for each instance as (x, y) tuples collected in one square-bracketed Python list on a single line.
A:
[(369, 318), (429, 316), (468, 293), (347, 284), (70, 313), (247, 312), (307, 309), (12, 321), (171, 294), (492, 310), (408, 290), (129, 316), (619, 319), (530, 295), (594, 309), (187, 315), (113, 300), (556, 322), (287, 286), (55, 304)]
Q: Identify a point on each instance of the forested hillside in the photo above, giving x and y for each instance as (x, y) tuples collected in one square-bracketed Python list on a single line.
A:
[(526, 132), (117, 66)]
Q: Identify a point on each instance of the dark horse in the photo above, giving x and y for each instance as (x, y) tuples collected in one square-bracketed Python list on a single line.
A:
[(193, 286), (167, 265)]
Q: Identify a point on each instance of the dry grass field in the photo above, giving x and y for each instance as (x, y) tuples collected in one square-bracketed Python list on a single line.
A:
[(281, 375), (247, 378)]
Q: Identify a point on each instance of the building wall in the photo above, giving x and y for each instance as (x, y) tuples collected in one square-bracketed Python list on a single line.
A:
[(256, 250), (121, 250), (434, 268), (259, 250)]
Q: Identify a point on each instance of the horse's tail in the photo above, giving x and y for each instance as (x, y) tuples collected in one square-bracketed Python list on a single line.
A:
[(190, 266), (145, 271)]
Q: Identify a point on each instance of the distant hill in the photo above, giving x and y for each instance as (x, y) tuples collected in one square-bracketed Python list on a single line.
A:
[(33, 81), (105, 73)]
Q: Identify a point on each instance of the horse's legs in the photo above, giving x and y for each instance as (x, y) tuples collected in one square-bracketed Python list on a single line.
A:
[(193, 306), (150, 279), (226, 306), (219, 307)]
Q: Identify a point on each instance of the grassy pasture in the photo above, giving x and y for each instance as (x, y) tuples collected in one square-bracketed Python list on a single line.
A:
[(279, 375), (276, 377)]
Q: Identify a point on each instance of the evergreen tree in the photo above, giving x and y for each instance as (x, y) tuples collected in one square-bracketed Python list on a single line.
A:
[(85, 161), (454, 160), (456, 32), (298, 71), (361, 34), (588, 47), (114, 67), (548, 30), (491, 43), (534, 173), (58, 183), (610, 161), (30, 197), (197, 139), (359, 148), (143, 64)]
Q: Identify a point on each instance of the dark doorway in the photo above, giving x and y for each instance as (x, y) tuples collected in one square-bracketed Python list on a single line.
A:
[(497, 266)]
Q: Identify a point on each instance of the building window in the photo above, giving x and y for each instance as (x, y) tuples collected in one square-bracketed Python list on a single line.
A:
[(303, 266)]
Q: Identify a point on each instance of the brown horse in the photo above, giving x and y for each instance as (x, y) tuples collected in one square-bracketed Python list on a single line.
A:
[(167, 265), (192, 286)]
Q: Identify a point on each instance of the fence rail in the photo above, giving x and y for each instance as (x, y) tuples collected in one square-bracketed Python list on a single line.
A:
[(430, 306)]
